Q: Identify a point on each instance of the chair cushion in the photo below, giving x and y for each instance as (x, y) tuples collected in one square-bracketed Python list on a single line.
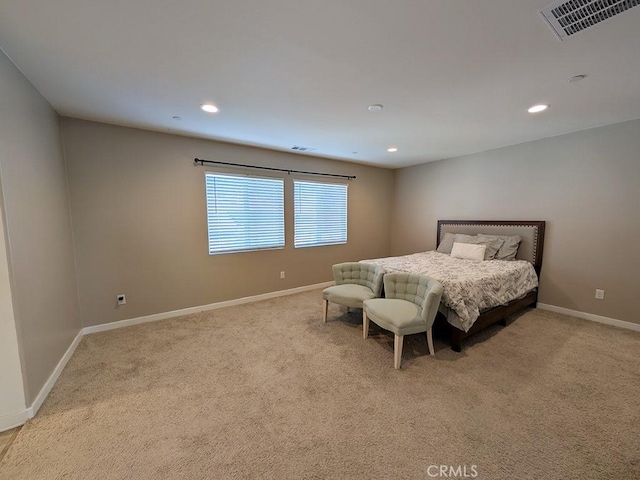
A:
[(398, 316), (348, 294)]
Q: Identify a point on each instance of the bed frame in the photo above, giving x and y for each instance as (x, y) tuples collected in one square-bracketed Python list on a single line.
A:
[(532, 233)]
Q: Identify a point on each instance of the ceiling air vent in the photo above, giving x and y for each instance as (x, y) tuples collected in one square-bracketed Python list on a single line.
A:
[(298, 148), (567, 18)]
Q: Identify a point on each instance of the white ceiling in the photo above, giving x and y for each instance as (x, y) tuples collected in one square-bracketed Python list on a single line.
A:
[(454, 76)]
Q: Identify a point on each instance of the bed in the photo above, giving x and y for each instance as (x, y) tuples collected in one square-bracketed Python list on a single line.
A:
[(479, 294)]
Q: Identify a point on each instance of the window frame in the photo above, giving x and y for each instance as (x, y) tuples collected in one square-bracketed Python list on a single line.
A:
[(342, 241), (278, 245)]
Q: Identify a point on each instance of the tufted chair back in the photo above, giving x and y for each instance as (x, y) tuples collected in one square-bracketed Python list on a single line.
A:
[(365, 274), (419, 289)]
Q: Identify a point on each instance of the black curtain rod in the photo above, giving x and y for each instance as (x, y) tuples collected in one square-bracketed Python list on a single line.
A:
[(228, 164)]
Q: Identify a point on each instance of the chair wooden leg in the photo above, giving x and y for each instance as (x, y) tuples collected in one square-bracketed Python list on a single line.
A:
[(365, 324), (324, 311), (430, 341), (397, 351)]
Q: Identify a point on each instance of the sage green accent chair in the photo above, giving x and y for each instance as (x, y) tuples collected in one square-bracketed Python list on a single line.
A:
[(355, 283), (410, 306)]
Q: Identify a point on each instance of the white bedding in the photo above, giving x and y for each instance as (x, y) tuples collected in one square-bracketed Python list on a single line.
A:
[(469, 287)]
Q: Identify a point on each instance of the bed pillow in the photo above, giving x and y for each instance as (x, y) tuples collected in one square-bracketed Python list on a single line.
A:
[(470, 251), (464, 238), (446, 244), (509, 248), (492, 242)]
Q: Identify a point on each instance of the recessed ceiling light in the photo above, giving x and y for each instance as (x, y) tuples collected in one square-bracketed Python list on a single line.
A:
[(392, 149), (577, 78), (376, 107), (208, 107), (177, 117), (538, 108)]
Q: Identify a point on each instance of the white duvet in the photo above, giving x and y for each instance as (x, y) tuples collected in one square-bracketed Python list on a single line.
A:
[(469, 287)]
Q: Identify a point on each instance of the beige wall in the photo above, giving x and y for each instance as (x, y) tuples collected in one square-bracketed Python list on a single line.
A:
[(38, 227), (585, 185), (138, 207), (13, 409)]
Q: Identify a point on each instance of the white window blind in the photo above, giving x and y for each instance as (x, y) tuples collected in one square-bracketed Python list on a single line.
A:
[(244, 213), (320, 213)]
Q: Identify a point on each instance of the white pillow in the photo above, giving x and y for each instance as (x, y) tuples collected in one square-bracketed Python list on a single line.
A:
[(470, 251)]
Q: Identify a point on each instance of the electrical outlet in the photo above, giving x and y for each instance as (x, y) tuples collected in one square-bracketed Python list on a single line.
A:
[(121, 299), (599, 294), (281, 275)]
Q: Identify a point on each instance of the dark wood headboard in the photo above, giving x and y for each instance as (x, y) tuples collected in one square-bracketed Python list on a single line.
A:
[(532, 233)]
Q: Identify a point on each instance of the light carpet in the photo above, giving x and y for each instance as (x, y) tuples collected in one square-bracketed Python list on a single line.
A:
[(266, 390)]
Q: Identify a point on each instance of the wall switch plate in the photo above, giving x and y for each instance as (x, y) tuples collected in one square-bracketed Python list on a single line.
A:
[(281, 275), (599, 294), (121, 299)]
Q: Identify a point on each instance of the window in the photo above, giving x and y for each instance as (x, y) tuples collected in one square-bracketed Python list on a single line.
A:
[(244, 213), (320, 213)]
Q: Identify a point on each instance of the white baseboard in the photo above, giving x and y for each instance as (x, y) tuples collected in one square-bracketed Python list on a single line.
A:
[(51, 381), (202, 308), (13, 420), (590, 316)]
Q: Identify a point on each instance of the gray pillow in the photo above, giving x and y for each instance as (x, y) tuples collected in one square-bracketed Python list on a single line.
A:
[(463, 238), (509, 248), (446, 244), (492, 243)]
